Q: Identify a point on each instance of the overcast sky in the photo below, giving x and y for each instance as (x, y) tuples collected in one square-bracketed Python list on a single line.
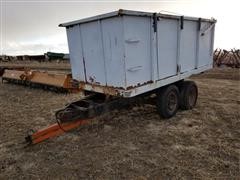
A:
[(31, 27)]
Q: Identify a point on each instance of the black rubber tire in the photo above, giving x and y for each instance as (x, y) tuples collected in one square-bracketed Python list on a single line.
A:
[(188, 95), (164, 97)]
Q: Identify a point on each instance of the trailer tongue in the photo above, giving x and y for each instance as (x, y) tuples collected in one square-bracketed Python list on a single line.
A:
[(81, 112), (52, 131)]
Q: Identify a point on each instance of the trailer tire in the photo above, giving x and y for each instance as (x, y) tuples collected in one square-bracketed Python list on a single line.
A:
[(168, 101), (188, 95)]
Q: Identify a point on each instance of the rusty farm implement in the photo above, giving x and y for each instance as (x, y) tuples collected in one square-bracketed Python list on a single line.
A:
[(58, 82)]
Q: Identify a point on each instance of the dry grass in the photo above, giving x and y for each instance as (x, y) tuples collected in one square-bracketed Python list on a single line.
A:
[(137, 144)]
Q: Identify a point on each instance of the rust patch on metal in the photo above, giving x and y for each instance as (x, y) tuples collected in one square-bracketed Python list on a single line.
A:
[(138, 85), (115, 91), (110, 90)]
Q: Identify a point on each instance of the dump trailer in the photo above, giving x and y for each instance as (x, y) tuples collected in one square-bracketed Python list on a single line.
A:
[(124, 58)]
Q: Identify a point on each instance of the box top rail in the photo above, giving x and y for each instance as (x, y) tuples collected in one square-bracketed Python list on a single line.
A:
[(122, 12)]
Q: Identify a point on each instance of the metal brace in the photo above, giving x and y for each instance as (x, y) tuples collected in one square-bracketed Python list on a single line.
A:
[(206, 28)]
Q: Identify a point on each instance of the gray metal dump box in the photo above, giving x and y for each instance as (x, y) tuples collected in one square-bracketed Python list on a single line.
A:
[(128, 53)]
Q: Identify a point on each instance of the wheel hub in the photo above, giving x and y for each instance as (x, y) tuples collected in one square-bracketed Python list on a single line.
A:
[(192, 96), (172, 102)]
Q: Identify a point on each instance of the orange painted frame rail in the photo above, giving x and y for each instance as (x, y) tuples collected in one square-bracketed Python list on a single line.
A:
[(54, 130)]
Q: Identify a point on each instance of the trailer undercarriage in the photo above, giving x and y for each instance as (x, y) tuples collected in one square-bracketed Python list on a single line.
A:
[(167, 99)]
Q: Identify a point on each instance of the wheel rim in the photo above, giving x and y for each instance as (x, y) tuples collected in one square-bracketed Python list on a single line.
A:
[(172, 102), (192, 96)]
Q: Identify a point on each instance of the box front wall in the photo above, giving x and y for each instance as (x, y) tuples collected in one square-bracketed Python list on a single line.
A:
[(167, 47), (188, 46), (206, 47), (75, 50), (137, 40), (113, 46), (93, 53)]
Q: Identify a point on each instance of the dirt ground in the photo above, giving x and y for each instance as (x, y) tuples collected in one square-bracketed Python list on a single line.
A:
[(130, 144)]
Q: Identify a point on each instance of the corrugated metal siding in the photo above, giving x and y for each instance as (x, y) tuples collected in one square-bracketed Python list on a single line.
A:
[(93, 52), (167, 47), (205, 47), (188, 45), (113, 46), (137, 49), (76, 52)]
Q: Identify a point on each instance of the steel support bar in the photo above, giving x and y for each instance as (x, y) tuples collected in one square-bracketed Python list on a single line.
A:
[(53, 130)]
